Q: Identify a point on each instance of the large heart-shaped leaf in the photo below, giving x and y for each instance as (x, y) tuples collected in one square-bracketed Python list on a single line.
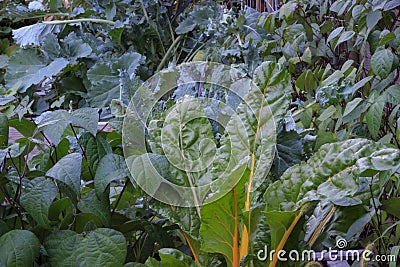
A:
[(101, 247), (37, 197), (68, 171), (18, 248)]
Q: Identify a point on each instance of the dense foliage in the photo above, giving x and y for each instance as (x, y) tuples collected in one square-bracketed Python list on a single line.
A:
[(328, 70)]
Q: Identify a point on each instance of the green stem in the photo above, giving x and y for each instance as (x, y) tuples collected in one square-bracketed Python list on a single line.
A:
[(67, 21), (170, 49)]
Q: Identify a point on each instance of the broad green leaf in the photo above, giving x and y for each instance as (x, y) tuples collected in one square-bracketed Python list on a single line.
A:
[(345, 36), (387, 38), (26, 66), (335, 33), (278, 222), (289, 149), (68, 171), (95, 148), (327, 113), (174, 257), (101, 247), (75, 48), (333, 78), (86, 118), (105, 81), (37, 197), (34, 34), (18, 248), (61, 246), (390, 5), (332, 173), (53, 124), (393, 94), (381, 62), (274, 81), (351, 106), (373, 18), (374, 117), (219, 229), (98, 204), (25, 127), (110, 168), (391, 206), (3, 130)]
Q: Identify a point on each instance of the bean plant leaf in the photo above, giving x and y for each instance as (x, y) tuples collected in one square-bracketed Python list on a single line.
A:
[(381, 62), (37, 197), (3, 130), (101, 247), (28, 68), (98, 204), (95, 148), (53, 124), (86, 118), (18, 248), (68, 171), (111, 167), (374, 117)]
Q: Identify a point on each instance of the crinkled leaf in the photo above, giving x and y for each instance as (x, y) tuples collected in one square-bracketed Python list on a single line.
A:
[(37, 197), (18, 248), (101, 247), (332, 173)]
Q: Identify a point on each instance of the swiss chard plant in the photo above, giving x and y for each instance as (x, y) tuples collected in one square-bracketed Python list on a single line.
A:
[(295, 148)]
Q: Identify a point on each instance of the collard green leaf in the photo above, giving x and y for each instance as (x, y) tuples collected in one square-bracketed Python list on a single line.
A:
[(18, 248), (68, 171), (110, 168), (75, 47), (34, 34), (28, 68), (37, 197), (98, 204), (105, 80)]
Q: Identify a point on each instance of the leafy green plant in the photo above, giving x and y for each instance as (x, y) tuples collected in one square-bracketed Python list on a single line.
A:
[(327, 74)]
